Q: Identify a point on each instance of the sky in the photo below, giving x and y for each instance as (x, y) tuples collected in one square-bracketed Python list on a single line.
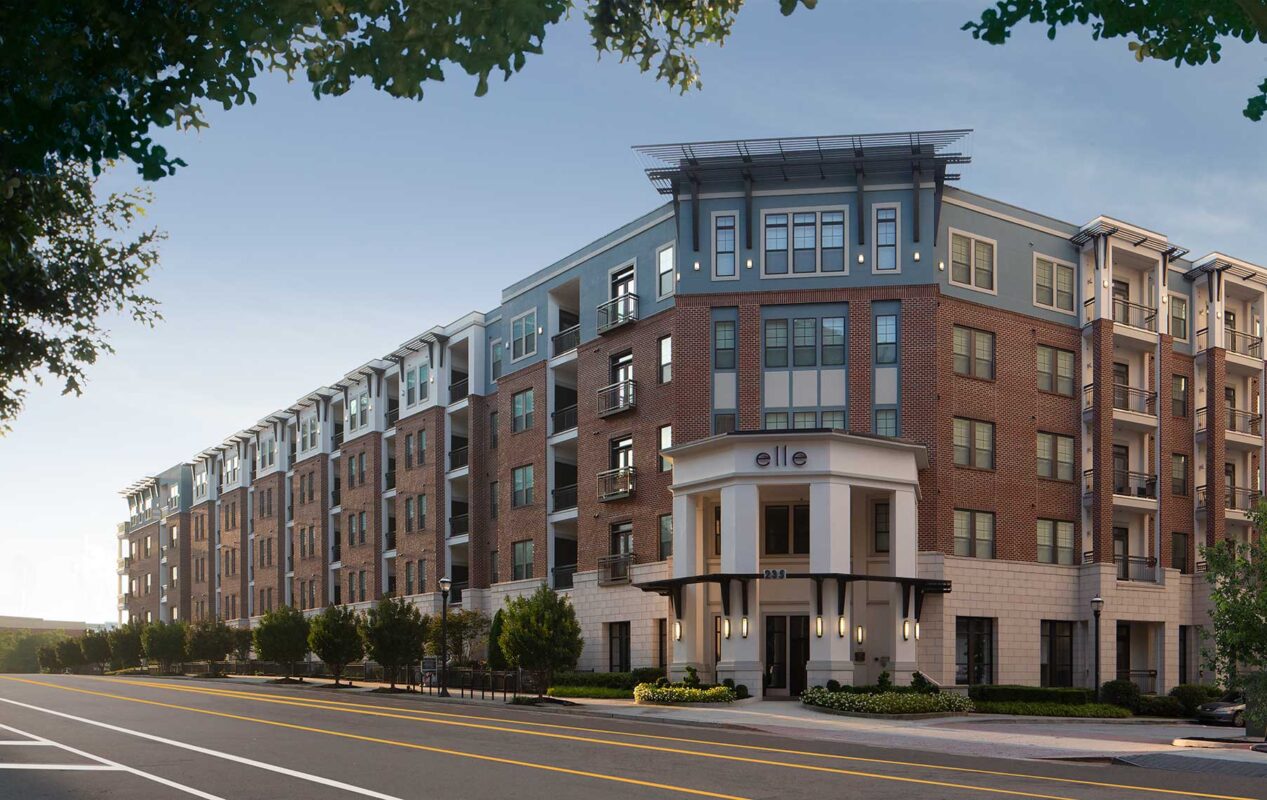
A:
[(306, 237)]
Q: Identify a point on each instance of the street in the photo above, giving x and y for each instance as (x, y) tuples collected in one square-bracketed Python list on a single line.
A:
[(74, 736)]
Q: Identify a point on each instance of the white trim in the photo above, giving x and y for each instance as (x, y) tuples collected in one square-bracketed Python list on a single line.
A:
[(493, 346), (951, 233), (535, 336), (712, 238), (881, 187), (626, 264), (875, 242), (818, 272), (1056, 262), (954, 201), (673, 285)]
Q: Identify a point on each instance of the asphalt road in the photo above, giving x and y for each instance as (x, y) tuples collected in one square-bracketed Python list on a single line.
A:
[(139, 738)]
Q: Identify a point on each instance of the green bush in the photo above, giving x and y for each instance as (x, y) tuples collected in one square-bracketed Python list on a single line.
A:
[(677, 693), (1120, 693), (1151, 705), (602, 680), (741, 692), (1031, 694), (601, 692), (920, 683), (1089, 710), (833, 685), (1191, 695), (887, 702), (646, 675)]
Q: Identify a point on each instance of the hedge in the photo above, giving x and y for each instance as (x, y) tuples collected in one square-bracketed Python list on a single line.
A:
[(1089, 710), (887, 702), (1151, 705), (1120, 693), (608, 680), (650, 693), (599, 692), (1191, 695), (1006, 693)]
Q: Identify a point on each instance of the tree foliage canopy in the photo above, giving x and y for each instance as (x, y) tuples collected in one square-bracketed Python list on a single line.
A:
[(394, 634), (335, 637), (540, 633), (164, 642), (95, 646), (466, 630), (1237, 574), (209, 640), (125, 645), (282, 636)]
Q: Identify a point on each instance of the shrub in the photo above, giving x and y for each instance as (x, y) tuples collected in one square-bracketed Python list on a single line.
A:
[(920, 683), (394, 634), (540, 633), (1120, 693), (662, 681), (1031, 694), (1041, 709), (741, 692), (47, 658), (496, 659), (600, 692), (691, 679), (604, 680), (209, 640), (1151, 705), (885, 682), (833, 685), (679, 693), (96, 649), (1191, 695), (125, 645), (70, 654), (647, 675), (887, 702)]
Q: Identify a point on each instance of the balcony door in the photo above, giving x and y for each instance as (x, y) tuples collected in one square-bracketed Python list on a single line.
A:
[(1121, 381), (1121, 469), (1122, 553), (621, 369), (622, 453), (1121, 300), (1229, 485), (622, 290)]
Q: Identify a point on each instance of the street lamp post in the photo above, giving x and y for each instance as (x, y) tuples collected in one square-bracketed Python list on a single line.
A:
[(445, 583), (1097, 605)]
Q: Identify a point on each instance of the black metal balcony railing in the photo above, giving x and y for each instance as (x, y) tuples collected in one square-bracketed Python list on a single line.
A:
[(563, 420), (336, 497), (459, 524), (393, 416), (1125, 482), (1244, 343), (1242, 421), (389, 480), (455, 593), (614, 484), (458, 390), (1234, 498), (337, 438), (1128, 398), (1135, 315), (565, 340), (614, 569), (617, 397), (563, 575), (617, 311), (1136, 568), (290, 563), (1145, 679), (391, 539), (391, 584), (563, 498), (336, 552), (458, 457)]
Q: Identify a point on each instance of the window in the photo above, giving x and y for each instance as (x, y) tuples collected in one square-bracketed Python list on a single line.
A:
[(724, 246), (360, 583), (786, 530), (521, 568), (1179, 317), (1179, 395), (886, 339), (522, 409), (724, 423), (974, 353), (724, 344), (833, 341), (834, 419), (421, 506), (666, 441), (832, 241), (361, 534), (493, 576), (409, 514), (1055, 456), (776, 244), (974, 533), (618, 646), (804, 342), (974, 650), (804, 420), (886, 422), (409, 577), (495, 358), (424, 381), (409, 450), (1179, 551), (805, 242), (665, 271), (776, 420), (666, 359), (1055, 370), (886, 238), (1178, 474), (1055, 541), (974, 443), (494, 501), (776, 343), (411, 388), (1056, 656), (523, 486), (494, 433), (422, 447), (1053, 284), (972, 262), (881, 527), (665, 549), (523, 335), (351, 529)]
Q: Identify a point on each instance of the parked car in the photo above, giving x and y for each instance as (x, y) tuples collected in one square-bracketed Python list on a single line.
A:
[(1228, 709)]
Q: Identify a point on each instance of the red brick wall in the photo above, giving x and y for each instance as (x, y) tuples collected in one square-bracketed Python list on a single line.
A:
[(363, 497), (270, 526), (1102, 438), (314, 513), (233, 527), (201, 592), (425, 478), (1216, 443), (139, 568), (483, 470), (1176, 437), (517, 450)]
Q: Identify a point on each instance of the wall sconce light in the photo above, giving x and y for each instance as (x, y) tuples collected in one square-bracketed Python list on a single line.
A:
[(916, 256), (917, 630), (861, 258), (941, 266), (1105, 283), (743, 627), (697, 266), (842, 627), (750, 263), (906, 630), (725, 627), (540, 330), (861, 634), (677, 630), (818, 626)]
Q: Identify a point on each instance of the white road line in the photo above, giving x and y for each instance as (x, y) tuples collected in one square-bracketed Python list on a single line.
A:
[(114, 765), (347, 787), (27, 742), (80, 767)]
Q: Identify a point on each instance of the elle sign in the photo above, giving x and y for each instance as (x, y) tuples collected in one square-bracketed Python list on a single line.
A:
[(780, 457)]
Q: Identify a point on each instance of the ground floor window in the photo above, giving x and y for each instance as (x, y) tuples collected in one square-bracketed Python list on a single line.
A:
[(1056, 655), (662, 642), (974, 650), (1186, 639), (618, 646)]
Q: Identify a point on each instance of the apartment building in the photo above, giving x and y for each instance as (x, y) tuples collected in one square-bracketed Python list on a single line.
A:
[(820, 415)]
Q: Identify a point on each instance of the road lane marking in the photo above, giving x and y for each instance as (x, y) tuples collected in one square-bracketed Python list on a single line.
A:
[(107, 763), (386, 711), (64, 767), (17, 742), (340, 734)]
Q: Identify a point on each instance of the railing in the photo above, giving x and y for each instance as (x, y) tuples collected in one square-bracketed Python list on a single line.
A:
[(122, 563), (455, 593), (563, 498), (1234, 498), (1244, 343), (337, 438), (336, 552), (563, 575), (290, 562), (336, 497), (1136, 568), (459, 524), (563, 420), (389, 480), (614, 569), (565, 340), (458, 458), (614, 484), (1135, 484), (391, 538), (290, 512), (393, 416), (615, 398), (1135, 315), (458, 390), (1242, 421), (617, 311), (1145, 679), (1128, 398)]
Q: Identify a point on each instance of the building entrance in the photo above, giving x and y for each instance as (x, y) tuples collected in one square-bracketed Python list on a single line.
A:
[(786, 654)]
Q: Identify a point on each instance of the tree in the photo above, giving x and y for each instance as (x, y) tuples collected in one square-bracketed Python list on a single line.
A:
[(282, 636), (335, 638), (70, 654), (164, 642), (1182, 31), (496, 659), (19, 649), (243, 639), (47, 658), (394, 635), (125, 645), (209, 640), (1237, 574), (466, 630), (540, 633), (96, 649)]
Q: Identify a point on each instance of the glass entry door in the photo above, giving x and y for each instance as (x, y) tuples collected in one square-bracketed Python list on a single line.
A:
[(786, 654)]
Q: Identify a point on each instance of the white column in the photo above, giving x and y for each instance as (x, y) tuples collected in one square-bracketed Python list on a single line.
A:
[(688, 560), (904, 549), (830, 543), (741, 655)]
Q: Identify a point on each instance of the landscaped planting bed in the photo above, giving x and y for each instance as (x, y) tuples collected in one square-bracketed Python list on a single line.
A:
[(1087, 710), (593, 692), (887, 702), (672, 694)]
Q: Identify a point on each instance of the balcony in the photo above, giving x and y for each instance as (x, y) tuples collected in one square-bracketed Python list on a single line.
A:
[(391, 585), (122, 564), (1136, 315), (1140, 401), (617, 397), (614, 570), (1125, 483), (459, 524), (1136, 568), (290, 512), (389, 480), (617, 311), (614, 484), (391, 538), (1234, 498), (393, 416), (1234, 341), (458, 390), (563, 498), (458, 458), (563, 576), (290, 562), (336, 498), (565, 340), (563, 420), (455, 593), (336, 552), (1240, 421)]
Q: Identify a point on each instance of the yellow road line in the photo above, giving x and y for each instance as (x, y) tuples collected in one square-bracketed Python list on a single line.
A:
[(335, 705), (394, 743)]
